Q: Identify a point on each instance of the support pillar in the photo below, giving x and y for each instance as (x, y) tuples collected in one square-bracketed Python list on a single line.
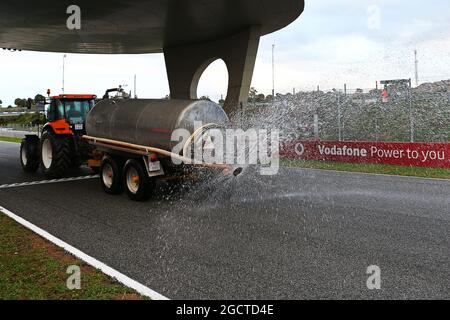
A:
[(186, 64)]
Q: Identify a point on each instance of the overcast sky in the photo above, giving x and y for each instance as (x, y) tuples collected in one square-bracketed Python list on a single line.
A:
[(333, 42)]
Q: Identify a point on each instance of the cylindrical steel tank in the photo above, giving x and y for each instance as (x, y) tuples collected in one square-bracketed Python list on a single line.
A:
[(150, 122)]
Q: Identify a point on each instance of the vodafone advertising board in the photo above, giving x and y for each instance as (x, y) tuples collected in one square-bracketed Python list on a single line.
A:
[(395, 153)]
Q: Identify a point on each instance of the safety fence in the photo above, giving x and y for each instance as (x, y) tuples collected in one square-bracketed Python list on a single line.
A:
[(360, 115)]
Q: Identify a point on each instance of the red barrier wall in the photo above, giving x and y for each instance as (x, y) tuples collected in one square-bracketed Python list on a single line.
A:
[(396, 153)]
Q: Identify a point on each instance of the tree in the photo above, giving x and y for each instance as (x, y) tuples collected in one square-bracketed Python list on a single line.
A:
[(29, 103), (260, 97), (269, 98), (39, 98), (252, 95), (20, 102), (205, 98)]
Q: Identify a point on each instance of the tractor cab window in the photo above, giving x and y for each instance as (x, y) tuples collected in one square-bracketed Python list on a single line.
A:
[(55, 111), (76, 110)]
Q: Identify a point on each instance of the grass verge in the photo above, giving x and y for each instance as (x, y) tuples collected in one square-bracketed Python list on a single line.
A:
[(32, 268), (10, 139), (370, 168)]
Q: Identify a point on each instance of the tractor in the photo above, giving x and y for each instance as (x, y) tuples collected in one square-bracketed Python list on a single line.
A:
[(60, 145)]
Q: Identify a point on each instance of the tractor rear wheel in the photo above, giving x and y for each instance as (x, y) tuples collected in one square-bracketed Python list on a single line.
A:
[(111, 175), (55, 155), (29, 154)]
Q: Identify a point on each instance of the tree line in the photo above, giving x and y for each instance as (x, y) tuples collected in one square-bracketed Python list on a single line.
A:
[(26, 102)]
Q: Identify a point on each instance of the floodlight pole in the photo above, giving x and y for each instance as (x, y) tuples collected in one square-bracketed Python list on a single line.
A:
[(339, 114), (411, 114), (416, 63), (273, 71)]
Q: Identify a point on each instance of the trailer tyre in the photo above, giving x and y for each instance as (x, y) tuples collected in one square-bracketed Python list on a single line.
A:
[(29, 154), (111, 175), (55, 155), (136, 181)]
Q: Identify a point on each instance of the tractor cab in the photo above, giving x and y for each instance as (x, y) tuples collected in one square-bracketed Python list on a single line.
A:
[(67, 113), (60, 144)]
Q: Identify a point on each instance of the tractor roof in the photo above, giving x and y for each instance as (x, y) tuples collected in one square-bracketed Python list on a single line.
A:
[(75, 96)]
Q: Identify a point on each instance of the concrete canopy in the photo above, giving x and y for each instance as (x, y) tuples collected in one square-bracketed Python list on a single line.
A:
[(191, 33), (137, 26)]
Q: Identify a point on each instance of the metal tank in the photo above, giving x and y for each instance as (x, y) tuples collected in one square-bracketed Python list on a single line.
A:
[(150, 122)]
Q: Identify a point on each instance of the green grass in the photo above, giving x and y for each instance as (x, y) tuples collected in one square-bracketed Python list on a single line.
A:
[(10, 139), (33, 268), (370, 168)]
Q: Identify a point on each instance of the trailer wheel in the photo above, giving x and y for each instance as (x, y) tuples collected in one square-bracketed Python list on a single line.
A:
[(55, 155), (29, 154), (110, 175), (136, 180)]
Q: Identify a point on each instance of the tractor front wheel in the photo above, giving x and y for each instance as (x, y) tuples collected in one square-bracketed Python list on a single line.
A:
[(55, 155)]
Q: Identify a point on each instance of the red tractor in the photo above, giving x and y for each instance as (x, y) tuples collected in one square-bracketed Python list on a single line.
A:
[(60, 145)]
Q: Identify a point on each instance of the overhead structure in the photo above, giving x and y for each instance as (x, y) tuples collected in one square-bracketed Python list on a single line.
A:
[(191, 33)]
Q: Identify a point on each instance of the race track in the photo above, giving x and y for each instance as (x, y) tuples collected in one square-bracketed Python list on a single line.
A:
[(300, 234)]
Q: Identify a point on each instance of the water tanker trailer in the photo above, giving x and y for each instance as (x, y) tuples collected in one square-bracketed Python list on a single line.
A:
[(133, 140)]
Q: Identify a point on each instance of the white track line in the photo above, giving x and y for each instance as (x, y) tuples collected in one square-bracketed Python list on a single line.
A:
[(33, 183), (88, 259)]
